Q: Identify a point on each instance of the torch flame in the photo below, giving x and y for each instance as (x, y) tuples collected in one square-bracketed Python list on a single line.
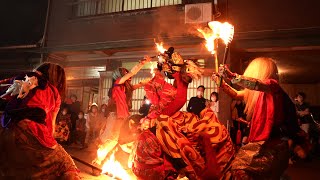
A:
[(152, 67), (210, 37), (160, 47), (226, 32)]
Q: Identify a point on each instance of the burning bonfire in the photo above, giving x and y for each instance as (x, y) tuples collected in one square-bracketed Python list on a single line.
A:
[(110, 166), (106, 159), (113, 167)]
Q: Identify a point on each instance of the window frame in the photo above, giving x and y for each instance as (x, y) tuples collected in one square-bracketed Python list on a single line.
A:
[(95, 8)]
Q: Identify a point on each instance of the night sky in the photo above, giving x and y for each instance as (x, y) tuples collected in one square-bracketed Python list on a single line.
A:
[(22, 21)]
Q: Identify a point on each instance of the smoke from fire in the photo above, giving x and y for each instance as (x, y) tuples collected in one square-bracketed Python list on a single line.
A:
[(169, 23)]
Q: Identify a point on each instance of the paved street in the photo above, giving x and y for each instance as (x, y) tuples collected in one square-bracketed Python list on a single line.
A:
[(309, 170)]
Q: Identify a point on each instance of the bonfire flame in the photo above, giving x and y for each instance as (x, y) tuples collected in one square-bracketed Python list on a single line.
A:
[(114, 168), (103, 151), (101, 155), (110, 166)]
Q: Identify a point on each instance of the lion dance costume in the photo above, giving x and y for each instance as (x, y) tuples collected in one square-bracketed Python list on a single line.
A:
[(180, 142)]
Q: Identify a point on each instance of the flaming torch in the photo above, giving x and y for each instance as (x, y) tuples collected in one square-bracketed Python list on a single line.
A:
[(160, 47), (226, 32), (161, 57), (211, 35), (161, 51), (218, 30)]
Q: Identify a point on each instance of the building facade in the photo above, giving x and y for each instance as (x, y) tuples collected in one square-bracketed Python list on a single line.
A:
[(98, 35), (91, 38)]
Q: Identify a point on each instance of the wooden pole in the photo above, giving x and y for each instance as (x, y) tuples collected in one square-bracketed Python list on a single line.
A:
[(86, 163)]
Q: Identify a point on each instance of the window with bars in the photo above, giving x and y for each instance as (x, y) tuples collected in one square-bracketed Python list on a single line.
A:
[(82, 8), (138, 94)]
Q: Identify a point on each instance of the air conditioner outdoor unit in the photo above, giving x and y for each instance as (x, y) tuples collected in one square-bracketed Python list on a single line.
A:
[(198, 13)]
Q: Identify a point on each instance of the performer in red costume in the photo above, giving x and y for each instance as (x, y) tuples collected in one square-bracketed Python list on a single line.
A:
[(120, 102), (165, 98), (121, 91), (27, 145), (180, 142), (272, 119)]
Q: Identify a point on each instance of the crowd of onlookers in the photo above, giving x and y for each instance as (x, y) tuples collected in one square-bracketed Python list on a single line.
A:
[(74, 126), (77, 127)]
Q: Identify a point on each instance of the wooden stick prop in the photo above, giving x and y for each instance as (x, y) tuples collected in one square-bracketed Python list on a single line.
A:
[(86, 163)]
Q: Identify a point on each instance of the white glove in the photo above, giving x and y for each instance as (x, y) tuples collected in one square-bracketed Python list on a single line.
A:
[(14, 89)]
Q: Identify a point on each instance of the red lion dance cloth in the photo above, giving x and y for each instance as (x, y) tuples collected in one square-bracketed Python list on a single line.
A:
[(200, 148)]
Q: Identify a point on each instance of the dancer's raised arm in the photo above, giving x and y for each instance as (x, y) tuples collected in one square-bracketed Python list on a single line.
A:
[(134, 70)]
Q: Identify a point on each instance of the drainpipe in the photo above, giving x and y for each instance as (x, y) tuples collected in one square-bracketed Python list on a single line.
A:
[(43, 40)]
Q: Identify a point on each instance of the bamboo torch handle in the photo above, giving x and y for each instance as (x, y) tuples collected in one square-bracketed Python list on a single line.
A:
[(226, 51)]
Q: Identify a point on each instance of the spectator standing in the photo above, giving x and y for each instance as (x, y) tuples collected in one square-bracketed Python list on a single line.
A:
[(74, 109), (81, 129), (197, 103), (94, 123), (214, 103), (144, 109), (63, 126), (104, 110), (303, 111)]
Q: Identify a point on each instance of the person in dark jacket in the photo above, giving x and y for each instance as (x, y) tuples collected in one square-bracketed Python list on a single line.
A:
[(74, 109), (144, 109), (81, 130), (197, 103)]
